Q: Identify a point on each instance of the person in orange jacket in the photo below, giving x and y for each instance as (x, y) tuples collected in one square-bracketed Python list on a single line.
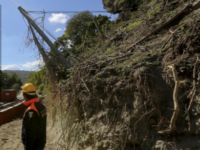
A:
[(34, 120)]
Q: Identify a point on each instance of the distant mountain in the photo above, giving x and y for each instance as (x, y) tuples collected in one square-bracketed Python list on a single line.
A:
[(22, 74)]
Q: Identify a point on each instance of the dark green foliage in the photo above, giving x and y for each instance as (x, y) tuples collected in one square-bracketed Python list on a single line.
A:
[(80, 30), (103, 22), (3, 80), (77, 26), (63, 40), (10, 81), (16, 86), (14, 79)]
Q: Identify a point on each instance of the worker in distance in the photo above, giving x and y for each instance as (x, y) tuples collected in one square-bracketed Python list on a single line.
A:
[(34, 120)]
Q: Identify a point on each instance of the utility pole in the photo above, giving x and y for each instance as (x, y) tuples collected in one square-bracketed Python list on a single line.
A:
[(46, 39), (98, 28), (49, 64)]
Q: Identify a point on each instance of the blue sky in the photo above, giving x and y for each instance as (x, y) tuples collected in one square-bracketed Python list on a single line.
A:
[(15, 55)]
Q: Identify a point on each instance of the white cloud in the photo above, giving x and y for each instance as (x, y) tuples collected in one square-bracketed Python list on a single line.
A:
[(33, 64), (59, 29), (58, 18), (11, 67)]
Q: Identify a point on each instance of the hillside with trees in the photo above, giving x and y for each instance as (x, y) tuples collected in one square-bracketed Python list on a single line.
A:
[(133, 87), (22, 74), (11, 81), (80, 30)]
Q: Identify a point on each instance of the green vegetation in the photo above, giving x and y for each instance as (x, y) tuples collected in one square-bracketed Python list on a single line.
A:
[(79, 48), (152, 13), (121, 2), (38, 79), (41, 80), (78, 26), (153, 2), (9, 81), (3, 77), (134, 25), (41, 87), (108, 51), (16, 86), (80, 29), (22, 74)]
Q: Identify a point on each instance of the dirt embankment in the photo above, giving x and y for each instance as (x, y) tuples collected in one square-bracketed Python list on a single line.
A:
[(141, 96)]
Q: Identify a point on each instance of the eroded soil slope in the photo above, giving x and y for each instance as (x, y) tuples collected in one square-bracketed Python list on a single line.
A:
[(122, 96)]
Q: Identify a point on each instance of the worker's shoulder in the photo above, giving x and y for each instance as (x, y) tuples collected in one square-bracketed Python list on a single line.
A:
[(39, 106)]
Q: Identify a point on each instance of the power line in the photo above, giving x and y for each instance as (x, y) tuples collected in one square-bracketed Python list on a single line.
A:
[(115, 11), (41, 12)]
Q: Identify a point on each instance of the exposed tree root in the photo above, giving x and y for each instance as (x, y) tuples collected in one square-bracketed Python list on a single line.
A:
[(193, 92), (144, 115), (172, 125), (85, 85)]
